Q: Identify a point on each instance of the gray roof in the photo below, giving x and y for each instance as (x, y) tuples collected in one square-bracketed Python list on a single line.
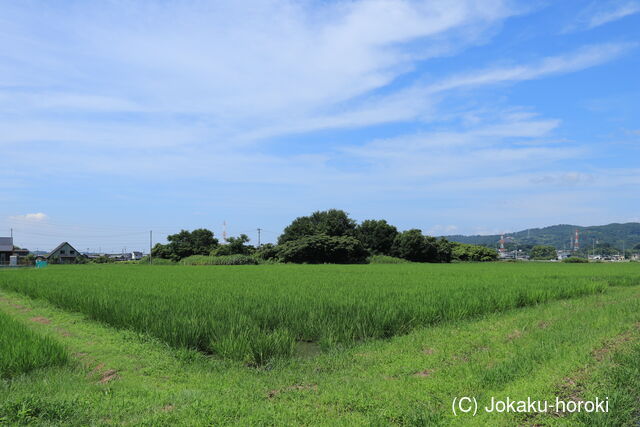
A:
[(6, 244), (59, 247)]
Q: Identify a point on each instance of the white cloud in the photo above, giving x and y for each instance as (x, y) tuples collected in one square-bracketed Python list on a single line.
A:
[(211, 76), (421, 101), (564, 179), (478, 139), (442, 230), (256, 58), (603, 12), (585, 57), (173, 91), (30, 217)]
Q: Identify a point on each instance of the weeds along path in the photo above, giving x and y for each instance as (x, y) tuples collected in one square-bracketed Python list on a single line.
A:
[(122, 377), (256, 314)]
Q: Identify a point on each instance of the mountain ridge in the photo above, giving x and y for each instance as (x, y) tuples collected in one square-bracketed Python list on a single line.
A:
[(560, 236)]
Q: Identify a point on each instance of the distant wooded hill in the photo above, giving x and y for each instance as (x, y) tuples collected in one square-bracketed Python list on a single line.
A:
[(560, 236)]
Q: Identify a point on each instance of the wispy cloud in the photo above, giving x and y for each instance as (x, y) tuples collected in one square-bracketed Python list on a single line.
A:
[(226, 60), (282, 106), (603, 12), (421, 100), (585, 57), (30, 217), (436, 155)]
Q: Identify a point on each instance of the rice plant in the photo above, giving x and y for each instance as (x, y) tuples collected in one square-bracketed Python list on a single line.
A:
[(22, 350), (220, 260), (256, 313)]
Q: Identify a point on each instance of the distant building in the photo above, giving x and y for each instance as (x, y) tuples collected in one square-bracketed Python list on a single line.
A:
[(125, 256), (508, 255), (6, 249), (64, 253), (563, 254)]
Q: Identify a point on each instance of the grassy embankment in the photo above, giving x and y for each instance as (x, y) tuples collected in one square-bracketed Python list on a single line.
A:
[(257, 314)]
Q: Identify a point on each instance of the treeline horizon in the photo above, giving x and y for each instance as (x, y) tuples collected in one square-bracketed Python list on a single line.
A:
[(329, 236)]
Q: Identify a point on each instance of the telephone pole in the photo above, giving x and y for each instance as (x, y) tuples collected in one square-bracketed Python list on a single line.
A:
[(150, 246), (259, 230)]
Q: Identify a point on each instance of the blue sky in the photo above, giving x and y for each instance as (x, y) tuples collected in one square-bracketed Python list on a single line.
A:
[(452, 117)]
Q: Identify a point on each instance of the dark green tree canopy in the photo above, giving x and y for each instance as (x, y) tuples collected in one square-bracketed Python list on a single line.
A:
[(444, 249), (333, 222), (377, 236), (412, 245), (320, 249), (475, 253), (267, 251), (543, 252), (186, 243), (235, 246)]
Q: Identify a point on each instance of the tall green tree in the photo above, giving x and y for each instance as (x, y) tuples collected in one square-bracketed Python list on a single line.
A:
[(321, 249), (186, 243), (267, 251), (543, 252), (333, 222), (412, 245), (377, 236), (444, 249), (477, 253), (235, 246)]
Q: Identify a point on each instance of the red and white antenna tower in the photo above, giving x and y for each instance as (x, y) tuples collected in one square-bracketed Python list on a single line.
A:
[(501, 242), (576, 242)]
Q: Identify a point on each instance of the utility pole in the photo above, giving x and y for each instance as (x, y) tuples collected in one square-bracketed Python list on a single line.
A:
[(150, 246), (259, 230)]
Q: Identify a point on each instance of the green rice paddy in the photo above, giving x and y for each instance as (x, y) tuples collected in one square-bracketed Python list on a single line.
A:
[(22, 350), (256, 314)]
